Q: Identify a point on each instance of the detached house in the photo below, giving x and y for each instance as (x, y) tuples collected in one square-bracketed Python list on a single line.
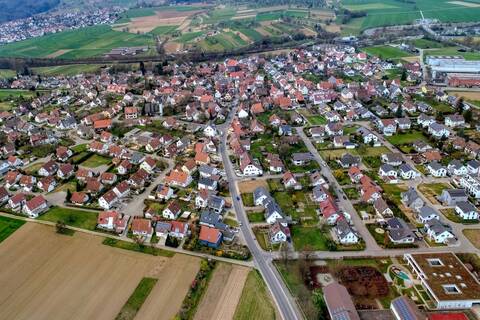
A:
[(172, 211), (412, 200), (36, 206), (48, 169), (345, 233), (278, 233), (108, 200), (466, 210)]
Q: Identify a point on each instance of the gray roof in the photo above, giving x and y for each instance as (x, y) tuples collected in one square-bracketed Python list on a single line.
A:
[(398, 229), (259, 193), (216, 202), (386, 167), (474, 163), (271, 208), (436, 226), (466, 206), (209, 217), (427, 211), (343, 228), (405, 167), (455, 193), (206, 181)]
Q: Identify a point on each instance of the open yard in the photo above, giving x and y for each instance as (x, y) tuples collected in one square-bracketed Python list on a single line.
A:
[(50, 276), (309, 238), (406, 138), (72, 217), (432, 190), (223, 293), (255, 301), (250, 186), (96, 161), (473, 235)]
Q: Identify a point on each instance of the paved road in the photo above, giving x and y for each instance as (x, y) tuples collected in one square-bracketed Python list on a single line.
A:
[(135, 206), (287, 307), (344, 203)]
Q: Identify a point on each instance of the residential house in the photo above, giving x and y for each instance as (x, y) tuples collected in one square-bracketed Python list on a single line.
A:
[(450, 197), (412, 199), (278, 233), (426, 214), (399, 232), (438, 232), (172, 211), (210, 237), (108, 200), (436, 169), (36, 206), (345, 233), (466, 210)]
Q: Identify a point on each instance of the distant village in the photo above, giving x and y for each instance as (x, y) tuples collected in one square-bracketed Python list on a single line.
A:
[(42, 24)]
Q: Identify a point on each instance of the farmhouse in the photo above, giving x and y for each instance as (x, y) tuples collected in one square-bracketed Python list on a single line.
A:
[(446, 279)]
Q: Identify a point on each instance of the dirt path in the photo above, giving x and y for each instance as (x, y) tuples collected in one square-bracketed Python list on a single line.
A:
[(173, 283), (223, 293), (49, 276)]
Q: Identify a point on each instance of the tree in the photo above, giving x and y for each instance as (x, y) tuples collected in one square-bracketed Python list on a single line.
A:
[(404, 75), (459, 105), (142, 68), (468, 116), (285, 254), (61, 227), (399, 112)]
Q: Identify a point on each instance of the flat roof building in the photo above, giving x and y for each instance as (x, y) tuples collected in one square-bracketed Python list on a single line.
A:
[(446, 279)]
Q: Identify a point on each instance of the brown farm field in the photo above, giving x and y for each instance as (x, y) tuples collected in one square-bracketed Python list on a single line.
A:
[(161, 18), (223, 293), (45, 275), (467, 95), (173, 283)]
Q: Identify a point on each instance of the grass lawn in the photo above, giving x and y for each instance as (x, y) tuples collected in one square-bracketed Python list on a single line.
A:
[(72, 217), (80, 148), (352, 193), (255, 301), (8, 226), (433, 188), (12, 93), (452, 216), (364, 152), (309, 237), (406, 138), (132, 246), (32, 169), (426, 44), (381, 264), (262, 238), (247, 199), (316, 120), (96, 161), (298, 205), (386, 52), (256, 217), (136, 300), (394, 191), (72, 186)]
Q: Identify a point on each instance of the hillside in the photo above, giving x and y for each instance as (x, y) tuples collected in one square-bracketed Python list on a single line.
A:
[(11, 10)]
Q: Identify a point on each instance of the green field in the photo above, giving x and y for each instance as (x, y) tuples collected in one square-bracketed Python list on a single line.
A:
[(255, 302), (136, 300), (386, 52), (187, 37), (393, 12), (7, 73), (9, 226), (74, 44), (12, 93), (96, 161), (72, 217), (68, 70), (161, 30), (453, 51), (406, 138), (426, 44), (251, 33), (224, 41), (309, 237)]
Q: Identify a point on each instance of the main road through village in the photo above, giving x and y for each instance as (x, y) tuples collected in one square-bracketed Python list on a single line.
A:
[(287, 307)]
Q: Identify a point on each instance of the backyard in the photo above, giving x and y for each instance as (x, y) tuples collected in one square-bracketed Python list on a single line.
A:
[(96, 161)]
